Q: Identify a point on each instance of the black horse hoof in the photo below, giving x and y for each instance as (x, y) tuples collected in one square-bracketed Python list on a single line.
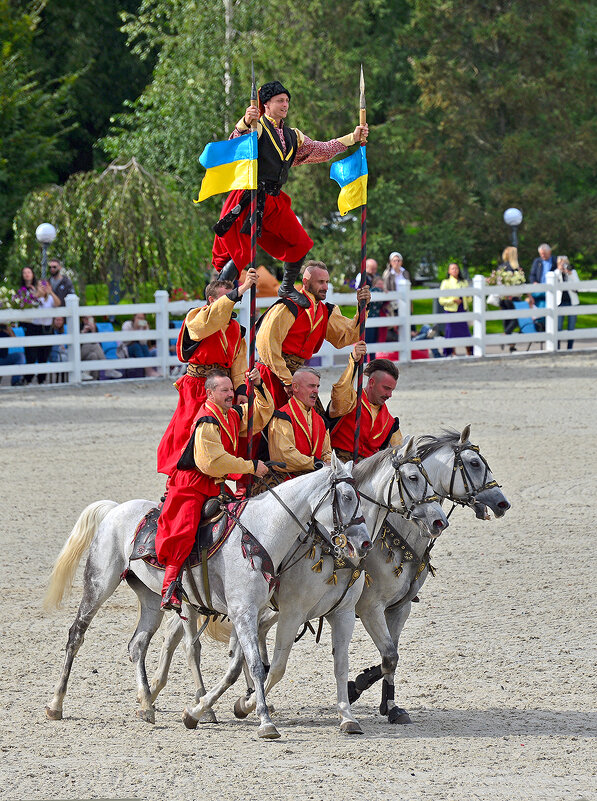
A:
[(398, 715), (353, 693)]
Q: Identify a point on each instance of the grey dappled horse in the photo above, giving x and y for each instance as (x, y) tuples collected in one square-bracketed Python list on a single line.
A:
[(459, 473), (237, 585)]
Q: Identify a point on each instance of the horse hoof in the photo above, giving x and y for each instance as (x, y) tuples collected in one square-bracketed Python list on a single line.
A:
[(239, 712), (53, 714), (146, 715), (353, 693), (268, 732), (350, 727), (398, 715), (189, 721), (209, 716)]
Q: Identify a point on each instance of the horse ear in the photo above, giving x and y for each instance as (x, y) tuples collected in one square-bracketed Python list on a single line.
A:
[(465, 434), (409, 446), (334, 463), (348, 467)]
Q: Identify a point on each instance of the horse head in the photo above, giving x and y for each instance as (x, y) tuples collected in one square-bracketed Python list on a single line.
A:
[(411, 494), (342, 518)]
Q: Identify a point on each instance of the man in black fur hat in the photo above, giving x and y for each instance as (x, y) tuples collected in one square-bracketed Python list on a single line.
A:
[(279, 232)]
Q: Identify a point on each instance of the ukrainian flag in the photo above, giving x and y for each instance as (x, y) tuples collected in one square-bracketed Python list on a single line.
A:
[(351, 174), (230, 165)]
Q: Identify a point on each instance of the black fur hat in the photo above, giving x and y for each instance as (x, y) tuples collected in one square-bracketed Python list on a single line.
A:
[(271, 89)]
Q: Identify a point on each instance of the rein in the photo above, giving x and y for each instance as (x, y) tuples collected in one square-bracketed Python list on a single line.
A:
[(469, 487)]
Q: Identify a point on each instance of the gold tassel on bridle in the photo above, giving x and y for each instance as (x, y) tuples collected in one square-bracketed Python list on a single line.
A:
[(368, 579), (333, 579), (318, 566), (311, 554), (398, 570)]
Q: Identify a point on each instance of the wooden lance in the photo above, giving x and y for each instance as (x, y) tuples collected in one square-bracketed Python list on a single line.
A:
[(362, 304), (253, 307)]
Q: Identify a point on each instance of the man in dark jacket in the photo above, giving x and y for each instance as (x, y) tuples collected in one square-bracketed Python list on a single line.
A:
[(60, 283), (543, 264)]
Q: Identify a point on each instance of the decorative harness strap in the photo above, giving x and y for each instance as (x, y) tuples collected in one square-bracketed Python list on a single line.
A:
[(469, 487)]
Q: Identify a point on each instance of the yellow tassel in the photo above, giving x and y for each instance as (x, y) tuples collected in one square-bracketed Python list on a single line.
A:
[(317, 566), (333, 579), (397, 571), (311, 554), (368, 580), (390, 557)]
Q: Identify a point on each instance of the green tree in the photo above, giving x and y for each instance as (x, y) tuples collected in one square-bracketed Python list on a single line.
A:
[(33, 116), (126, 224)]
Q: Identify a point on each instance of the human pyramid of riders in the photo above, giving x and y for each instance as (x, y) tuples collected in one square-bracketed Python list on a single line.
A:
[(205, 442)]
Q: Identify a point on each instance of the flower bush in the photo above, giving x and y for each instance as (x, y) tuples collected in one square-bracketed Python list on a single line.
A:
[(22, 298), (503, 277)]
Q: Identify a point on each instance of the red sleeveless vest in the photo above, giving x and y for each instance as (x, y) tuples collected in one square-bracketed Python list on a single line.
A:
[(309, 443), (221, 347), (307, 333), (373, 435)]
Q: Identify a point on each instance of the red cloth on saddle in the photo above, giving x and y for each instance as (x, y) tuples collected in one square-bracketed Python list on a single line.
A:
[(282, 235), (218, 348), (187, 492), (372, 435)]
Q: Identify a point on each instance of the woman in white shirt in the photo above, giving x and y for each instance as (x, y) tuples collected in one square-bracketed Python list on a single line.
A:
[(566, 297)]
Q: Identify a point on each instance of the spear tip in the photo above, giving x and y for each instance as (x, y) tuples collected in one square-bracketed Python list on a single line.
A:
[(362, 89)]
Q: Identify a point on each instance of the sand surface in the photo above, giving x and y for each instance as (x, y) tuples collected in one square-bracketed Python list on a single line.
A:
[(497, 663)]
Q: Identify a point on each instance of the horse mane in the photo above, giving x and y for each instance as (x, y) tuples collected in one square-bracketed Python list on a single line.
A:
[(426, 444), (365, 470)]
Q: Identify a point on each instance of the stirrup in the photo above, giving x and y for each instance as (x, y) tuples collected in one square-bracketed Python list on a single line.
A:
[(229, 272)]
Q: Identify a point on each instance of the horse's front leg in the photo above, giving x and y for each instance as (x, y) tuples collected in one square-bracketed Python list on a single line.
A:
[(172, 638), (191, 717), (192, 646), (150, 617), (395, 618), (246, 628), (285, 634), (342, 624), (372, 616), (266, 621)]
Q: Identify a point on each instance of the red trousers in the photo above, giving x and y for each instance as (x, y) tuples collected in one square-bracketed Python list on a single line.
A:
[(179, 520), (273, 383), (282, 235), (191, 396)]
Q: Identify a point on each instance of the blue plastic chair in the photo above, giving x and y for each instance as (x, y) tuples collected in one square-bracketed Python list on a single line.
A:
[(109, 348), (19, 332)]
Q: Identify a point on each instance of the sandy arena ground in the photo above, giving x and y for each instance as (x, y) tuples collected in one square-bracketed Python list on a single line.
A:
[(496, 664)]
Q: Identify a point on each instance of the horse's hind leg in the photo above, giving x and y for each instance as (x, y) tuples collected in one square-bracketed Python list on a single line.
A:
[(172, 638), (150, 617), (396, 618), (373, 618), (98, 586), (192, 646)]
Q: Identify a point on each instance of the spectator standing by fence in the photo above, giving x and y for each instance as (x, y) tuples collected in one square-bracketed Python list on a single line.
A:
[(566, 297), (60, 283), (453, 305), (6, 358)]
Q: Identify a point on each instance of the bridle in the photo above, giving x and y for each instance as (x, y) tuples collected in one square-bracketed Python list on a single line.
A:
[(469, 487), (405, 509)]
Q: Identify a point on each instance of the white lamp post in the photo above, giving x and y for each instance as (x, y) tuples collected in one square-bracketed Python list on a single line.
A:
[(513, 218), (46, 234)]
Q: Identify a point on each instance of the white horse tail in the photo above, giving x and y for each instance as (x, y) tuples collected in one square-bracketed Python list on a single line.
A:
[(80, 538), (218, 630)]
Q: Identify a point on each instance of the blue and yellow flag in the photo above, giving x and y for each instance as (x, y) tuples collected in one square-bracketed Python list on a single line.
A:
[(230, 165), (351, 174)]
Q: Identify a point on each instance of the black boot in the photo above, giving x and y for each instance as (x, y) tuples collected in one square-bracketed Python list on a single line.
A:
[(287, 290), (229, 272)]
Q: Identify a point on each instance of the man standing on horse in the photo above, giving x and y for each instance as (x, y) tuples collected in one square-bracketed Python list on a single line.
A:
[(279, 232), (297, 434), (378, 428), (209, 338), (290, 334), (211, 456)]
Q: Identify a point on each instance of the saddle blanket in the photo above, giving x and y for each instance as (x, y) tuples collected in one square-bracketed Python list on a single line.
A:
[(211, 534)]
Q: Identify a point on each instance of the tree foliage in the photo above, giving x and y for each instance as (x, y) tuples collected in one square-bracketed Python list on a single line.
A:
[(125, 224)]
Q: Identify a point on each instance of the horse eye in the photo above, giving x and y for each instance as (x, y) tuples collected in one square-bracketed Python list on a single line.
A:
[(414, 477)]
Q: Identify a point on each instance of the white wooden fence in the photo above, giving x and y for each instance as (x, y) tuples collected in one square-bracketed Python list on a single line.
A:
[(164, 310)]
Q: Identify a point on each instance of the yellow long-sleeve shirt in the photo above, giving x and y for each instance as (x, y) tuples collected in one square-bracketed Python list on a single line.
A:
[(341, 331), (344, 399), (450, 304), (202, 323), (210, 456), (282, 444)]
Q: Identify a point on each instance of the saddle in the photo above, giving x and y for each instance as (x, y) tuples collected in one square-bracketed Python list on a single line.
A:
[(213, 531)]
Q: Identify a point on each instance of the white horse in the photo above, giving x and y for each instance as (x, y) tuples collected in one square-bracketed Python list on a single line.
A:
[(399, 562), (239, 584), (313, 585)]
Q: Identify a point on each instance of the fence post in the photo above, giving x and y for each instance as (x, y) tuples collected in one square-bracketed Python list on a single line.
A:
[(479, 308), (162, 330), (71, 303), (551, 313), (404, 327)]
